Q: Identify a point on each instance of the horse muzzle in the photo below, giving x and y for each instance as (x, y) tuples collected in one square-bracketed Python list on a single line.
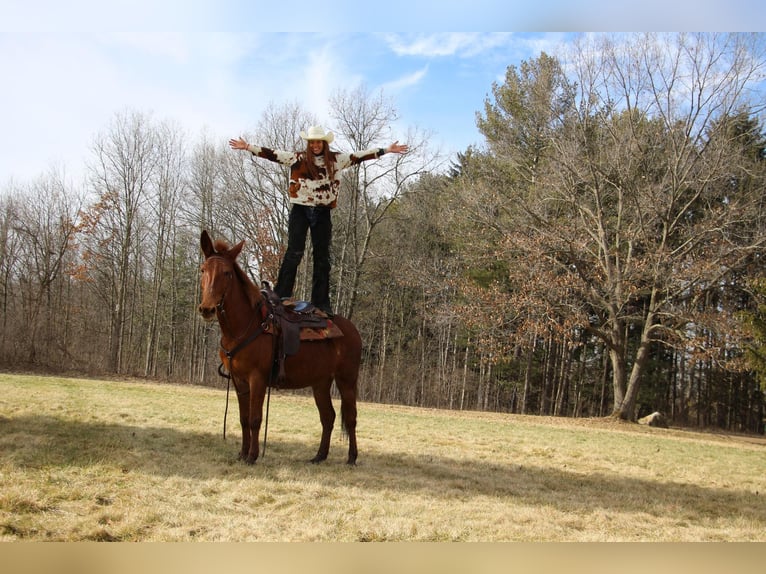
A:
[(207, 313)]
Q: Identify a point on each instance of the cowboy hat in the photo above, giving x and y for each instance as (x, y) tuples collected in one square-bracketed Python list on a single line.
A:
[(317, 133)]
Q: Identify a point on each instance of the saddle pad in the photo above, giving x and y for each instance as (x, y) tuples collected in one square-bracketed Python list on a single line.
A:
[(330, 332)]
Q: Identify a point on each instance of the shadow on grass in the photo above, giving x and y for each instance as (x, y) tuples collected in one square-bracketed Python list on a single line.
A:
[(44, 442)]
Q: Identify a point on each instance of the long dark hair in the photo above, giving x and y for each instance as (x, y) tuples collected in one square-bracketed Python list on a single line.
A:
[(329, 161)]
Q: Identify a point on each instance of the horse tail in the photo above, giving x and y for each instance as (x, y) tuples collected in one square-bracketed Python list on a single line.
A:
[(347, 377)]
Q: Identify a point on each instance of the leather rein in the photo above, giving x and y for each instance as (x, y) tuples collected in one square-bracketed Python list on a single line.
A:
[(221, 311)]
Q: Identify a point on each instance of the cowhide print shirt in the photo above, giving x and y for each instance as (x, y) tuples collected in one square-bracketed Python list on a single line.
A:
[(306, 191)]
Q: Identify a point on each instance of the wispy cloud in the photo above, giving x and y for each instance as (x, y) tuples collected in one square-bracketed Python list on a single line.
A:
[(405, 81), (446, 44)]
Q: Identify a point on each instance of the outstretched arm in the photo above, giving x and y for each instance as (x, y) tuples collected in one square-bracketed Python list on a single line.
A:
[(344, 160), (275, 155)]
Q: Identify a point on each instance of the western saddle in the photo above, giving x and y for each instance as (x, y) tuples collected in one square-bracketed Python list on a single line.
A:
[(293, 322)]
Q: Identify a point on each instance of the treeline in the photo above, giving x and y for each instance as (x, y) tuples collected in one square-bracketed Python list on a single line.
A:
[(601, 255)]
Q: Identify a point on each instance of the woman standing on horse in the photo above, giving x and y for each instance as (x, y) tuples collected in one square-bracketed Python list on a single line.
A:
[(313, 193)]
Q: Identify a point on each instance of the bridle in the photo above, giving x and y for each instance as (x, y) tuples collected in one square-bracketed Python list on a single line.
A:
[(242, 342)]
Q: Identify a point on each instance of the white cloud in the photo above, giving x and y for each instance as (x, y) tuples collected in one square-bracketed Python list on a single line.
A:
[(317, 81), (405, 81), (446, 44)]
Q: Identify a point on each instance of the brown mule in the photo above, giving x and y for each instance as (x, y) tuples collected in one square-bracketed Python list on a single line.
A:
[(247, 351)]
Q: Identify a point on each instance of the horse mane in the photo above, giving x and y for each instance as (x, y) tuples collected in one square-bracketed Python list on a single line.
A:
[(221, 246), (251, 290)]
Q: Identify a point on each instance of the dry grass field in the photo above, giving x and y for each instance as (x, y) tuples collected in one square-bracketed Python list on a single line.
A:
[(93, 460)]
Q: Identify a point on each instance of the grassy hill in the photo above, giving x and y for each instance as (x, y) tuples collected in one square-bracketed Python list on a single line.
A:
[(84, 460)]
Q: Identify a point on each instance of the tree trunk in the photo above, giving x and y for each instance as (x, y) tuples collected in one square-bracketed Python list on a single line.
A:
[(528, 376), (619, 368), (626, 408)]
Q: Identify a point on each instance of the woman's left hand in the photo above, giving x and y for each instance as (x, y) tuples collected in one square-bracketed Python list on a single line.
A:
[(397, 148), (238, 143)]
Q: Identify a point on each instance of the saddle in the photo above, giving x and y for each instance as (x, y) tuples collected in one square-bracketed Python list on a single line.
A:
[(293, 322)]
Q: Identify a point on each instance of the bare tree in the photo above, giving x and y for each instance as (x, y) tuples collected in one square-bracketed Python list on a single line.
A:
[(364, 121), (36, 251), (201, 209), (122, 173), (10, 248), (161, 233)]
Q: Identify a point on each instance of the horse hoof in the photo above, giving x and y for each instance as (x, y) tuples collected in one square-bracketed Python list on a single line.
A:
[(250, 460), (317, 459)]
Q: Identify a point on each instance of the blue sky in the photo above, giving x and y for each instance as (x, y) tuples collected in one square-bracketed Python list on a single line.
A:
[(214, 66)]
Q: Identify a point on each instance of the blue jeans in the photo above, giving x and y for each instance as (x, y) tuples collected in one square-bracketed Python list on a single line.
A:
[(302, 219)]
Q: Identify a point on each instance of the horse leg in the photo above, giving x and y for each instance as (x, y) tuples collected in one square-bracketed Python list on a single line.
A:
[(243, 398), (256, 417), (348, 415), (323, 402)]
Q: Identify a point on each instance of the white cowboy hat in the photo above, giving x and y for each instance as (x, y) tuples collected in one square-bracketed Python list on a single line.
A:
[(318, 133)]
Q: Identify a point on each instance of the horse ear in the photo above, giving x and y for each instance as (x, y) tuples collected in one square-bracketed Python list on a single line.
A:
[(234, 251), (206, 244)]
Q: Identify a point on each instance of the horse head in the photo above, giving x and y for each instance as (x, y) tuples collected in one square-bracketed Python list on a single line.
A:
[(220, 272)]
